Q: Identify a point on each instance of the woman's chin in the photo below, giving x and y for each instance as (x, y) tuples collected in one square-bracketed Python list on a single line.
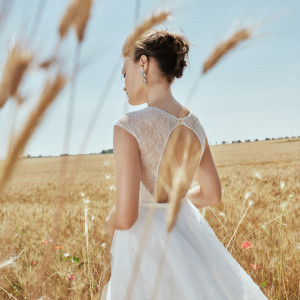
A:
[(136, 100), (132, 101)]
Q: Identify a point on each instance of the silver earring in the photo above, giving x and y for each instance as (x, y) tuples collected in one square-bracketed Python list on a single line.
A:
[(143, 76)]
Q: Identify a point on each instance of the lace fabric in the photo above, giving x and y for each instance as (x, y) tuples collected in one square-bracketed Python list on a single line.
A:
[(151, 127)]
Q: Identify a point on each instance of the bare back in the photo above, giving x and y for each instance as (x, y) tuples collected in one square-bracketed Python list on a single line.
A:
[(170, 150)]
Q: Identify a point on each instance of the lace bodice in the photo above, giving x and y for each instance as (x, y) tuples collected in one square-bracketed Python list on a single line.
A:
[(152, 127)]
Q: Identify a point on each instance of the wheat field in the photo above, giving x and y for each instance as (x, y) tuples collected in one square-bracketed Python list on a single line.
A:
[(263, 172), (53, 243)]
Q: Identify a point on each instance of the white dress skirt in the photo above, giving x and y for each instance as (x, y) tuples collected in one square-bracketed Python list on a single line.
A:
[(189, 263)]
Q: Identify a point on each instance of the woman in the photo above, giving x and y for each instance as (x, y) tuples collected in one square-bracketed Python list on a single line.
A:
[(159, 252)]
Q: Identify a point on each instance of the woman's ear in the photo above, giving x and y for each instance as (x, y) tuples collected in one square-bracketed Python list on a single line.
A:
[(144, 62)]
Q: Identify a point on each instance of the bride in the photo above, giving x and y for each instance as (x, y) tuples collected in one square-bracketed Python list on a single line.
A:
[(162, 247)]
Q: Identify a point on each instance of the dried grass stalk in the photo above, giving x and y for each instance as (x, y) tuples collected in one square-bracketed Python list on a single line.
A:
[(50, 92), (67, 19), (77, 14), (175, 201), (16, 65), (224, 47), (220, 51), (175, 198), (83, 14), (142, 28), (177, 166)]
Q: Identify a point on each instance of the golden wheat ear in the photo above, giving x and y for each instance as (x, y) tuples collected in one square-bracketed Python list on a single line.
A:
[(14, 70), (50, 92), (174, 193), (81, 19), (77, 15), (222, 49), (67, 19), (139, 30)]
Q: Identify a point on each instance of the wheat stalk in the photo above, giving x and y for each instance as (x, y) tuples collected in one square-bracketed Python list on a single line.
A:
[(139, 30), (175, 200), (250, 203), (220, 51), (67, 19), (223, 48), (77, 15), (15, 67), (173, 191), (50, 92), (83, 10)]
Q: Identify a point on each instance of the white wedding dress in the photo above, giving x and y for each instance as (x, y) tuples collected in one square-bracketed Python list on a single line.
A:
[(189, 263)]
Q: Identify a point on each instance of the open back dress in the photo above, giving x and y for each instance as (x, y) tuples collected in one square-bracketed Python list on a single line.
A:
[(189, 262)]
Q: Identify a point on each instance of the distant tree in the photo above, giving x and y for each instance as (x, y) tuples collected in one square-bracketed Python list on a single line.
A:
[(106, 151)]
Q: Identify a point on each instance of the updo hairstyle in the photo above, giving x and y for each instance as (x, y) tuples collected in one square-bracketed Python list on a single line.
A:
[(170, 50)]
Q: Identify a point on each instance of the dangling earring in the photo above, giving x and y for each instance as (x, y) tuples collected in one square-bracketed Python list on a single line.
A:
[(143, 75)]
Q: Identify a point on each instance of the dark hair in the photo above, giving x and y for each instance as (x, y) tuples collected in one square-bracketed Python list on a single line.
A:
[(170, 50)]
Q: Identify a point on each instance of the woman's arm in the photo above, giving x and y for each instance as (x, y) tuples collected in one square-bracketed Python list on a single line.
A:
[(124, 213), (199, 199), (207, 176)]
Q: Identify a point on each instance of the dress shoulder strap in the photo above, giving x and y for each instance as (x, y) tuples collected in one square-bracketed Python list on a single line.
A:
[(128, 122), (194, 124), (141, 122)]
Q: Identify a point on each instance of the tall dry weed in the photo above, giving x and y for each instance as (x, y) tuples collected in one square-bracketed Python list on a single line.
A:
[(224, 47), (219, 52), (50, 92), (14, 70), (77, 15), (139, 30)]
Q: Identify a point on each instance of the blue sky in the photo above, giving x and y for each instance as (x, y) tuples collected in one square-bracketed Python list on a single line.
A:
[(253, 92)]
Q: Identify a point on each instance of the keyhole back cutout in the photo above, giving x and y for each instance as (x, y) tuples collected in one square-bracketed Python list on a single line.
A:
[(178, 164)]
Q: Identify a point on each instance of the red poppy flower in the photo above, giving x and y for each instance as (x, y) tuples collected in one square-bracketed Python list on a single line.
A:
[(254, 267), (246, 245), (70, 277)]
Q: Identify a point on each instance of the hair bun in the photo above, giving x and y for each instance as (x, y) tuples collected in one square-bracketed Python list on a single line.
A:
[(181, 49), (169, 49)]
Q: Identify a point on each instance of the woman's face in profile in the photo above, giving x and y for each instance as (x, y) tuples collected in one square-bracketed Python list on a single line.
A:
[(134, 86)]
